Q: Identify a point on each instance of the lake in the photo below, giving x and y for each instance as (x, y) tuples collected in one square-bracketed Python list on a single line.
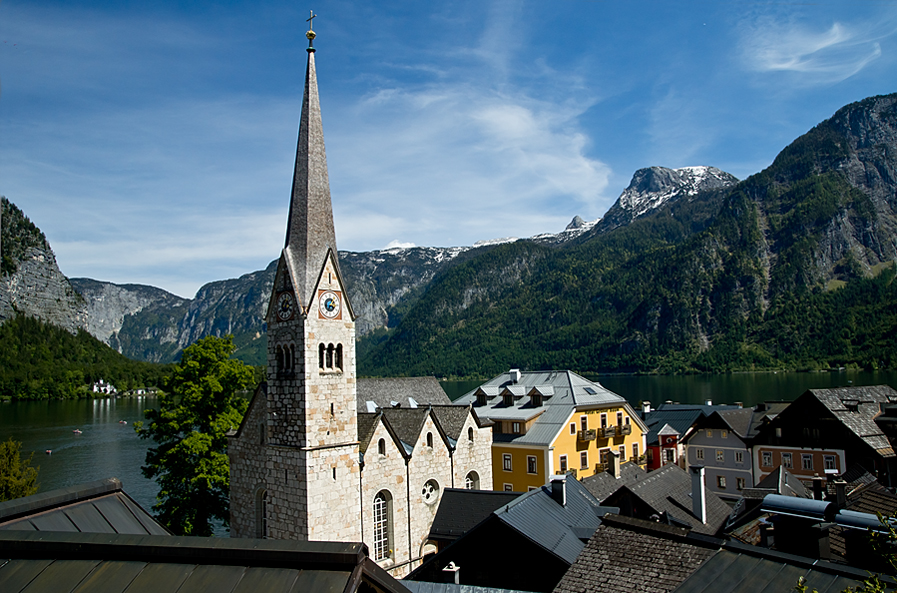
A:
[(107, 448)]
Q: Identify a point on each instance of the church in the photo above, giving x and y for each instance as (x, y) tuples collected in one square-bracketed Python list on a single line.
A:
[(320, 455)]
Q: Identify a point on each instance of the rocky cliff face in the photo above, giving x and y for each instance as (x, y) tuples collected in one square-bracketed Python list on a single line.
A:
[(31, 282), (653, 187)]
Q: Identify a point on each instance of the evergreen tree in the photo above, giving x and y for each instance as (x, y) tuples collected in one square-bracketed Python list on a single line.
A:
[(201, 402)]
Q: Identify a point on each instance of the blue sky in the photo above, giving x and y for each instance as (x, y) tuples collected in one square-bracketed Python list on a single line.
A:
[(153, 142)]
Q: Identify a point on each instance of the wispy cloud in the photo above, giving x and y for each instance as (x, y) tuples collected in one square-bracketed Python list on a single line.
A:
[(818, 55)]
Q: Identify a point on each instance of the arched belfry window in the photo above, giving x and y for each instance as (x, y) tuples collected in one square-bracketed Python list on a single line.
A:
[(330, 350), (339, 356), (279, 359), (382, 547), (321, 350)]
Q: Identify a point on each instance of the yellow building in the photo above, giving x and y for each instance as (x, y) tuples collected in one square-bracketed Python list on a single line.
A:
[(554, 422)]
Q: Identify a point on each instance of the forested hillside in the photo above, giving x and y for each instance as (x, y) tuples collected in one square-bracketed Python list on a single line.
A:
[(42, 361), (791, 268)]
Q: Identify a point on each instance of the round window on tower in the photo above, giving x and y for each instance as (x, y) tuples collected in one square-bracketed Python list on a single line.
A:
[(430, 492)]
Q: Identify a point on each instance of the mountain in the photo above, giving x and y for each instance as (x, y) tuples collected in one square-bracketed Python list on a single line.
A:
[(792, 267), (30, 280)]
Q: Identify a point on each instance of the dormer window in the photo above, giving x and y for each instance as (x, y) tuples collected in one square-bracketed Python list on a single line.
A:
[(481, 399), (536, 400), (508, 399)]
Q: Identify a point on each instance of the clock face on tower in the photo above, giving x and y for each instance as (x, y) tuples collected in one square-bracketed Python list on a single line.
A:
[(285, 306), (329, 304)]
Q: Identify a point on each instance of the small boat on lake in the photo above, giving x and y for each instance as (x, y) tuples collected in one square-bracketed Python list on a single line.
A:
[(48, 451), (122, 421), (77, 431)]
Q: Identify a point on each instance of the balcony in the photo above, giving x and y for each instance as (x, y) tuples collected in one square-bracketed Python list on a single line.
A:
[(611, 431), (600, 467), (626, 429), (640, 460), (572, 472), (586, 435)]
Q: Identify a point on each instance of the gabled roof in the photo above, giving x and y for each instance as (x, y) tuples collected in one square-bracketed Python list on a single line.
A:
[(407, 423), (856, 408), (668, 490), (569, 392), (553, 526), (603, 484), (738, 421), (367, 424), (461, 510), (409, 392), (452, 419), (96, 507), (707, 409), (627, 554), (113, 563), (678, 420)]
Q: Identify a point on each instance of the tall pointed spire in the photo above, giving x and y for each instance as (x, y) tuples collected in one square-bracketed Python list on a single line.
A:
[(310, 231)]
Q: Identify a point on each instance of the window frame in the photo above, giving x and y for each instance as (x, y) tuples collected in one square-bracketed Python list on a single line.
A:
[(507, 462), (721, 482), (382, 525), (583, 460), (766, 459), (804, 459), (787, 460), (562, 464), (699, 453), (532, 465)]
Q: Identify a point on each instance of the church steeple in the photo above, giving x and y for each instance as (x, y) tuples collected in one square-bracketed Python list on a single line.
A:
[(310, 231)]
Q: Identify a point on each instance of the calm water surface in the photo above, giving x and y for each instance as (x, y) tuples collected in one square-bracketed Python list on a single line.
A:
[(104, 449)]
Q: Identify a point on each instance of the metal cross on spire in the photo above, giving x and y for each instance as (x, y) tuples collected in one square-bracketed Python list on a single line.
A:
[(311, 34)]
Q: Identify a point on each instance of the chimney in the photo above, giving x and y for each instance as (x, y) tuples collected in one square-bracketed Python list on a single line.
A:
[(515, 375), (739, 404), (767, 534), (841, 493), (451, 574), (646, 408), (559, 489), (698, 502), (614, 463), (708, 402), (818, 486)]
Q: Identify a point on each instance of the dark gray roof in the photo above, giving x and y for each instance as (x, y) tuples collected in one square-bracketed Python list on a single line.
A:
[(627, 554), (367, 423), (113, 563), (96, 507), (407, 423), (668, 490), (781, 481), (461, 510), (679, 420), (603, 484), (857, 408), (707, 409), (554, 526), (748, 568), (563, 391), (451, 419), (407, 391), (739, 421)]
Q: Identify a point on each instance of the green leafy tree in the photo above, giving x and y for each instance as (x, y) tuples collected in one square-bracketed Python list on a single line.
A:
[(201, 402), (17, 477)]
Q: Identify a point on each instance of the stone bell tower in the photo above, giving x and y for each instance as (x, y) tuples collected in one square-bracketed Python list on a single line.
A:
[(312, 475)]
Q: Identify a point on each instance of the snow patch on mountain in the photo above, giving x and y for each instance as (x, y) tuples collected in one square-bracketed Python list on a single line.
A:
[(652, 187)]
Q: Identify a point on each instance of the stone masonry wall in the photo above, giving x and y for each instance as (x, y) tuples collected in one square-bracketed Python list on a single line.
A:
[(475, 455), (246, 453)]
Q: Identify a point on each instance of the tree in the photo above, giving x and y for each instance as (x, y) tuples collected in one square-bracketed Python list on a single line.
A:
[(17, 477), (200, 403)]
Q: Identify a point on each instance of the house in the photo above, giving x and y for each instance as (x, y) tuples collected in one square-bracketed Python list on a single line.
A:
[(321, 455), (463, 509), (722, 441), (670, 495), (527, 544), (828, 431), (550, 422), (669, 428)]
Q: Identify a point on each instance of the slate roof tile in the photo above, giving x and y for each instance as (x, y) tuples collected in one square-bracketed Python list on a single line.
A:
[(461, 510), (603, 484), (384, 391)]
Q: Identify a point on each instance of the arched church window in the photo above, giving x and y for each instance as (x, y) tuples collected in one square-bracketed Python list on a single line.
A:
[(339, 356), (321, 356), (279, 359), (472, 481), (261, 512), (470, 434), (263, 432), (430, 439), (381, 447), (330, 350), (382, 525)]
